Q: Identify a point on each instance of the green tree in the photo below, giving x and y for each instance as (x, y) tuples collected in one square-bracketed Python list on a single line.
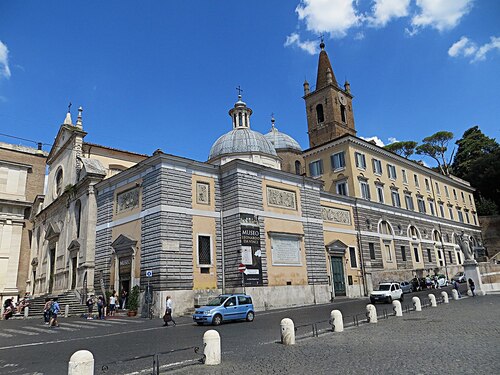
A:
[(435, 147), (486, 207), (403, 148)]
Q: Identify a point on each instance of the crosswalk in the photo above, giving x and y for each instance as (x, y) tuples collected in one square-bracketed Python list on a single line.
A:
[(65, 326)]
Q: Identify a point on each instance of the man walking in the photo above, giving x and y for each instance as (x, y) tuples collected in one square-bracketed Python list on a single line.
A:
[(168, 313), (46, 310), (55, 309)]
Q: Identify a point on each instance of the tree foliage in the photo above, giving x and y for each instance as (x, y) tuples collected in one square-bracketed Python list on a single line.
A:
[(403, 148), (435, 147)]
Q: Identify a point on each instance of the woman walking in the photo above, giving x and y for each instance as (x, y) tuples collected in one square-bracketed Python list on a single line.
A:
[(472, 287), (168, 313)]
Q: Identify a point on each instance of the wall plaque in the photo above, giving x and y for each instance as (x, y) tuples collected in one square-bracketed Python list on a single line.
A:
[(281, 198), (285, 250), (336, 215), (127, 200), (202, 193)]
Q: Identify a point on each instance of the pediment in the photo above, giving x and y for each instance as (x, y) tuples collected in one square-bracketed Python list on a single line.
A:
[(336, 247), (52, 232), (64, 136), (74, 246), (124, 244)]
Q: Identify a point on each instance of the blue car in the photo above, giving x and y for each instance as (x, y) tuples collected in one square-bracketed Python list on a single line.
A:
[(225, 307)]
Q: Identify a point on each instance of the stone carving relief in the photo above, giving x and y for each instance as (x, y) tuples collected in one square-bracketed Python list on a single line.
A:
[(127, 200), (281, 198), (202, 193), (336, 215)]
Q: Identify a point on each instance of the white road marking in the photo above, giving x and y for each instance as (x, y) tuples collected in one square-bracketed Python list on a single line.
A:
[(5, 334), (44, 330), (66, 329), (15, 331), (78, 325)]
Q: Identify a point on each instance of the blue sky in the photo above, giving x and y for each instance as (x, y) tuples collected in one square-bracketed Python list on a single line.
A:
[(158, 74)]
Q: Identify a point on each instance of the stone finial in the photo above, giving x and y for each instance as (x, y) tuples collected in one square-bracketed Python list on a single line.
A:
[(79, 119), (329, 76), (347, 86), (306, 87)]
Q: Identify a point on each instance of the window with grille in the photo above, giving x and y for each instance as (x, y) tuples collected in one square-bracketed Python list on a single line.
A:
[(204, 251), (371, 246)]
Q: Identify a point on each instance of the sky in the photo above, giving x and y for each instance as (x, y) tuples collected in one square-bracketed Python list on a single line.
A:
[(163, 74)]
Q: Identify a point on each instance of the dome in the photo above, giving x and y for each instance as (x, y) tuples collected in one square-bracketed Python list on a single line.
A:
[(282, 141), (239, 141)]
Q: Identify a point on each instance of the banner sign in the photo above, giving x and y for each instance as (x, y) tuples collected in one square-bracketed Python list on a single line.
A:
[(251, 254)]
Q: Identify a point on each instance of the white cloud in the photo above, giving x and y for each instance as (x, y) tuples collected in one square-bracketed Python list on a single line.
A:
[(375, 139), (440, 14), (4, 60), (359, 36), (309, 46), (392, 140), (385, 10), (329, 16), (467, 48)]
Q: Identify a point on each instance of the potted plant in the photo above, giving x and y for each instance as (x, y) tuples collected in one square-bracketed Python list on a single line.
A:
[(133, 301)]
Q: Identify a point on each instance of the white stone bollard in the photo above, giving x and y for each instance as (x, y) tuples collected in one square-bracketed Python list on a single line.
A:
[(81, 363), (26, 312), (432, 299), (211, 343), (337, 321), (66, 311), (454, 294), (445, 297), (396, 305), (417, 304), (371, 313), (287, 331)]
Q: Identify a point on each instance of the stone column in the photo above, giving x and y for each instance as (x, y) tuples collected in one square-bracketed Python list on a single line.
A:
[(471, 270)]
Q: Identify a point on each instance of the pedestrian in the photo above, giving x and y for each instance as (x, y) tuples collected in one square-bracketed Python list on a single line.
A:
[(46, 310), (168, 313), (472, 286), (112, 303), (123, 298), (54, 309), (90, 307), (100, 307), (455, 286)]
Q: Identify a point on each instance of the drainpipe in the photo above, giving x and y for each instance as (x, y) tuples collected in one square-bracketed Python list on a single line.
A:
[(222, 248), (360, 247)]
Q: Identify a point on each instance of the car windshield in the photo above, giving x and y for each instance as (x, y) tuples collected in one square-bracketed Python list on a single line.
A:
[(384, 287), (217, 301)]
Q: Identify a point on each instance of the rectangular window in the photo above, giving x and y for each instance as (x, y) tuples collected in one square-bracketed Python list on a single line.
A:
[(380, 193), (450, 256), (365, 190), (427, 186), (204, 251), (440, 258), (338, 160), (437, 188), (455, 194), (459, 258), (396, 202), (446, 191), (377, 166), (421, 205), (431, 207), (316, 168), (371, 246), (409, 202), (460, 215), (415, 178), (360, 160), (352, 257), (441, 209), (388, 253), (475, 220), (470, 199), (467, 217), (391, 171), (450, 211), (415, 253), (463, 196), (341, 188), (405, 178), (429, 255), (403, 253)]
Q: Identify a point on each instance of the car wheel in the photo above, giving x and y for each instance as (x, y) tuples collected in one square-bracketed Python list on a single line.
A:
[(217, 320), (250, 316), (389, 300)]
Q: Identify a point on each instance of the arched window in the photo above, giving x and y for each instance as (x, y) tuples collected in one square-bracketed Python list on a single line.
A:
[(342, 113), (319, 113), (59, 182), (78, 217), (384, 228), (413, 232), (436, 236), (298, 167), (240, 119)]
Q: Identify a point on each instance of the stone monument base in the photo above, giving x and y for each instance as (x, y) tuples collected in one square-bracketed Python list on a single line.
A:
[(471, 270)]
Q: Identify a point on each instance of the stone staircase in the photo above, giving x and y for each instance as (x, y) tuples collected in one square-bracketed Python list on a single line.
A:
[(67, 298)]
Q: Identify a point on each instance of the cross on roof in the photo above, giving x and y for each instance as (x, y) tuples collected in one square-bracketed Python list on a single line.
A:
[(69, 107), (239, 90)]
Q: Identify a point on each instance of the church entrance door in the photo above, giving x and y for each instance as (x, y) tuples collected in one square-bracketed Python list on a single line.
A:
[(73, 272), (338, 276), (52, 265), (125, 272)]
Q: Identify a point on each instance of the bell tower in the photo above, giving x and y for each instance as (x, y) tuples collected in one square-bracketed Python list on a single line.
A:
[(328, 107)]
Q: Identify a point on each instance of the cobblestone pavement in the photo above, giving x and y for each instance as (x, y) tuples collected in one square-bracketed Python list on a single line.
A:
[(461, 337)]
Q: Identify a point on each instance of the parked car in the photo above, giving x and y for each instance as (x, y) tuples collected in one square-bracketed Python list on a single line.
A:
[(387, 292), (225, 307), (442, 281), (459, 277), (406, 286)]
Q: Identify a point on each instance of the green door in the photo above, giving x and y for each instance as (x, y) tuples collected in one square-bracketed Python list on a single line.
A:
[(338, 276)]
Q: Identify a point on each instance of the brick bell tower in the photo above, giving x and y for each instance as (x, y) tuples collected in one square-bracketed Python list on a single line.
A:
[(328, 107)]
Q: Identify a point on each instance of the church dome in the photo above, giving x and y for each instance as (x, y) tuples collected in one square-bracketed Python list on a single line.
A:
[(282, 141), (239, 141)]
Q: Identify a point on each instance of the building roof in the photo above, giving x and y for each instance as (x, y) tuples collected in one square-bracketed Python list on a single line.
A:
[(239, 141), (282, 141), (323, 66)]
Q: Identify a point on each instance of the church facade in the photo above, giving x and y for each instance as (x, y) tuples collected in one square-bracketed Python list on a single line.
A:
[(261, 216)]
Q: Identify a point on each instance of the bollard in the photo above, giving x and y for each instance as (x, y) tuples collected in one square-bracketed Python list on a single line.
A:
[(287, 331), (445, 297), (26, 312), (417, 304), (211, 343), (81, 363), (454, 294), (337, 321), (66, 311), (432, 299), (371, 313), (396, 306)]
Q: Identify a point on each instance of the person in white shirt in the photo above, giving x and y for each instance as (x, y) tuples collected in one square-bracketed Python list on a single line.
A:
[(168, 313), (112, 304)]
